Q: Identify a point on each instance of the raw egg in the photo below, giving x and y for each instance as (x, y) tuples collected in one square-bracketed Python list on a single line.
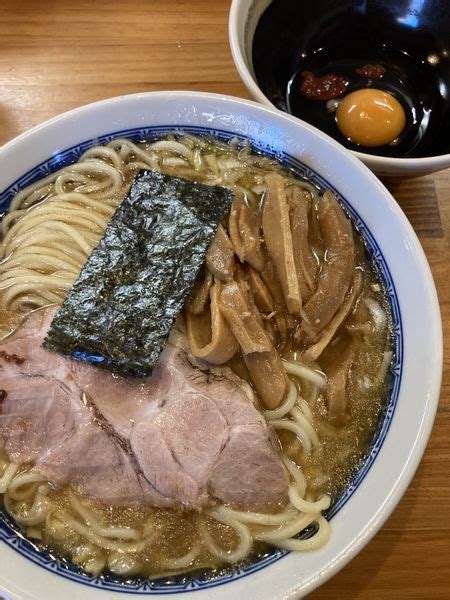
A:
[(370, 117)]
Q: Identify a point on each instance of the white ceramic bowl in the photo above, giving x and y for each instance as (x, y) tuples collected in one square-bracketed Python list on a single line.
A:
[(416, 374), (242, 22)]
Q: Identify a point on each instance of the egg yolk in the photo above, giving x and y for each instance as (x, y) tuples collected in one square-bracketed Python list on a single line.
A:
[(370, 117)]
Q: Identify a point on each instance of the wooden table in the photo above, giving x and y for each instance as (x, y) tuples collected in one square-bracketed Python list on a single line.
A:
[(59, 54)]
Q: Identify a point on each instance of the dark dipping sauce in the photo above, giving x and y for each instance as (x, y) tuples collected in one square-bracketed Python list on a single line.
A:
[(356, 41)]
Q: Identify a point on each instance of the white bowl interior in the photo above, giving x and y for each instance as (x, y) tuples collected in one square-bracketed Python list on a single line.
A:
[(397, 458)]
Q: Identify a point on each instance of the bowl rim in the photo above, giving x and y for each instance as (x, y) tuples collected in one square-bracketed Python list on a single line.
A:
[(397, 489), (380, 163)]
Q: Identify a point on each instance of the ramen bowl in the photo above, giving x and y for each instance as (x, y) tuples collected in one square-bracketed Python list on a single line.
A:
[(274, 43), (26, 572)]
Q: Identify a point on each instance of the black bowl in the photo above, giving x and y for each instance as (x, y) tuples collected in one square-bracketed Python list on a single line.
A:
[(409, 38)]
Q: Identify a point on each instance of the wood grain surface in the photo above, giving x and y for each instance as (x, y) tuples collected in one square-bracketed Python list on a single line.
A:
[(56, 55)]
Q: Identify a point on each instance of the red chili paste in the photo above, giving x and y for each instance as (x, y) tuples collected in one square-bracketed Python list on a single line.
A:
[(322, 88), (371, 71)]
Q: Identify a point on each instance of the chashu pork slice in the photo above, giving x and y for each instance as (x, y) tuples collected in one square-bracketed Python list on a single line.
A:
[(183, 436), (45, 421)]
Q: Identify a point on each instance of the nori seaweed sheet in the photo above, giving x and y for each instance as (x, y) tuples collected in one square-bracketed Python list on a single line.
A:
[(119, 311)]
